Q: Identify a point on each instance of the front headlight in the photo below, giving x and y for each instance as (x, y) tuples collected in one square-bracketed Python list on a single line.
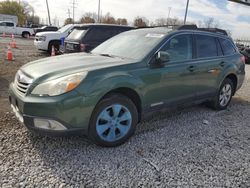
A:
[(42, 38), (60, 85)]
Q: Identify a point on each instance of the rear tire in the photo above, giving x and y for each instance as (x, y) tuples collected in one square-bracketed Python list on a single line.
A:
[(224, 95), (113, 121), (25, 34)]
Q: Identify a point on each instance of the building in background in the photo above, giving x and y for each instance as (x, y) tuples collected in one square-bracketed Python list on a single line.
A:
[(7, 17)]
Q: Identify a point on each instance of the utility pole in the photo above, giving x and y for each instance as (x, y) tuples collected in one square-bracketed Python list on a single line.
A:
[(48, 12), (169, 10), (68, 13), (99, 8), (185, 18), (73, 7)]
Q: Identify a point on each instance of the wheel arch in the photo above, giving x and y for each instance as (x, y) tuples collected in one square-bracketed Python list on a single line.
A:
[(128, 92), (234, 79), (23, 33)]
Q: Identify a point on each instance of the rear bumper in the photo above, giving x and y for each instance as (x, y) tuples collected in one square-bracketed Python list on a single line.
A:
[(70, 110)]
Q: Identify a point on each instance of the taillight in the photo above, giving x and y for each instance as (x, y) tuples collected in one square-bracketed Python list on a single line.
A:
[(243, 59), (82, 47)]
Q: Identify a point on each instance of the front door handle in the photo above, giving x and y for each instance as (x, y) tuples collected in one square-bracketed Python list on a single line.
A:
[(191, 68), (222, 64)]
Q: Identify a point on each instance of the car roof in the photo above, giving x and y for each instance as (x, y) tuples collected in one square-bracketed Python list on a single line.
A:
[(154, 30), (104, 25)]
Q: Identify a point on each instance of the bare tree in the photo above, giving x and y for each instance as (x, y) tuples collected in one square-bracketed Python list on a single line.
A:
[(122, 21), (209, 23), (68, 21), (108, 19), (89, 18), (141, 22)]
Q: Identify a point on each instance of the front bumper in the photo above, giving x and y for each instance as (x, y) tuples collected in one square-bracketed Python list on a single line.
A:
[(71, 110), (41, 45)]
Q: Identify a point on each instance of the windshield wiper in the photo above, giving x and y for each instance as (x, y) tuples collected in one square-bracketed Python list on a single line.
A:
[(107, 55)]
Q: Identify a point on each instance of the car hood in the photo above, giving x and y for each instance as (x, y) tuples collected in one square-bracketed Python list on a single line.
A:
[(53, 67), (51, 33)]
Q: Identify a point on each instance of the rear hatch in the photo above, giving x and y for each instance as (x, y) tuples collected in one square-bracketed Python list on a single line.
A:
[(73, 41)]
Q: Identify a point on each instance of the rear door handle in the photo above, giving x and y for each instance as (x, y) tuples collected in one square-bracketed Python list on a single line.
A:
[(222, 64)]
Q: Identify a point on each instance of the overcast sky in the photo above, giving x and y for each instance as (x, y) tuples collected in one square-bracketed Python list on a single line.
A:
[(230, 15)]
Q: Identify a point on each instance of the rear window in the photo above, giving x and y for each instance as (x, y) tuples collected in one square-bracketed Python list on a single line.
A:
[(77, 33), (9, 24), (206, 46), (227, 47)]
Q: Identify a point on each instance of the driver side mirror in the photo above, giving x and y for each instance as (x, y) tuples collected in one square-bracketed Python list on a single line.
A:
[(162, 57)]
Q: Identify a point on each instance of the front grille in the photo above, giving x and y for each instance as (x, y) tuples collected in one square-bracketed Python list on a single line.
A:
[(22, 82)]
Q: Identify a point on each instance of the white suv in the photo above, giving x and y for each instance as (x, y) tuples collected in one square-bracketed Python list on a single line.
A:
[(45, 40)]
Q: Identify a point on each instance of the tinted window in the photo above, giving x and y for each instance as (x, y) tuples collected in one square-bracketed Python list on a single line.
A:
[(179, 48), (2, 24), (205, 46), (100, 34), (9, 24), (220, 53), (227, 47)]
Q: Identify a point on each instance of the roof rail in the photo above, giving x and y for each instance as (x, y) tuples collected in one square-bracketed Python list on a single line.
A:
[(194, 27)]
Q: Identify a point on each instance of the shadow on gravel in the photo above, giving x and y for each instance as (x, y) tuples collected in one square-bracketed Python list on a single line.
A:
[(188, 130), (4, 84)]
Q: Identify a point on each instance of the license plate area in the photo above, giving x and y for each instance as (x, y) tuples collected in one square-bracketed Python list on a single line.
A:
[(69, 46)]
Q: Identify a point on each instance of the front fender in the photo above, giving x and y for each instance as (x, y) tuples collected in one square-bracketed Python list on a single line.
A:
[(111, 81)]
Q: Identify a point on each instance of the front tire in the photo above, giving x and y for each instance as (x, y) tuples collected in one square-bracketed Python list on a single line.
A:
[(113, 121), (224, 96)]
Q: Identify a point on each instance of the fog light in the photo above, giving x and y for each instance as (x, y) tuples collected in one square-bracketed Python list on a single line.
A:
[(48, 124)]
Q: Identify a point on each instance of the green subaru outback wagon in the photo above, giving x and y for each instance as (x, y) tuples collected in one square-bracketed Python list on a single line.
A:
[(105, 93)]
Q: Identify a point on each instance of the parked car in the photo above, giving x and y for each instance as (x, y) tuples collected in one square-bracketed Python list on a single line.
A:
[(240, 46), (9, 27), (88, 36), (105, 93), (45, 40), (246, 53), (45, 28)]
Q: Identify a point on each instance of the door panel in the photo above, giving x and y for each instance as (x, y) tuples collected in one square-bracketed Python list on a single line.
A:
[(173, 82), (210, 64)]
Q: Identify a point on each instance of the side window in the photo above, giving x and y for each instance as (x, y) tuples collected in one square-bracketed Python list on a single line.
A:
[(219, 50), (227, 47), (179, 48), (206, 46), (9, 24), (3, 24), (99, 34)]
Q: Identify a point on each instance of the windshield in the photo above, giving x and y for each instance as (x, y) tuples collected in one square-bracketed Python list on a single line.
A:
[(43, 27), (65, 28), (77, 34), (132, 45)]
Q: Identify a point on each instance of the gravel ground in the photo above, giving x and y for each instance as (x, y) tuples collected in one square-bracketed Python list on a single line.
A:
[(188, 147)]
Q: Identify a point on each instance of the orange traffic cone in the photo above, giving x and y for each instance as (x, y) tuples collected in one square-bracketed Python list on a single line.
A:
[(53, 53), (9, 54), (14, 44)]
